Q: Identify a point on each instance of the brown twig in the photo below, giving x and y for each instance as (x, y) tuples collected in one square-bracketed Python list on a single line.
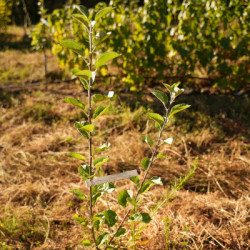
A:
[(90, 137)]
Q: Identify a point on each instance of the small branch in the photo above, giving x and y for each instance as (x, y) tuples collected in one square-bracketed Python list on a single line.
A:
[(147, 171)]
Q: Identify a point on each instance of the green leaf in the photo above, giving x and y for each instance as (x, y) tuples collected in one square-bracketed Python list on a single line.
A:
[(100, 161), (107, 96), (132, 201), (83, 10), (89, 128), (78, 193), (121, 232), (102, 12), (161, 96), (148, 140), (96, 197), (98, 216), (96, 225), (77, 156), (102, 148), (173, 86), (110, 218), (75, 102), (84, 83), (86, 243), (100, 37), (168, 87), (177, 108), (107, 187), (145, 163), (79, 125), (83, 170), (157, 118), (82, 19), (135, 179), (177, 92), (73, 71), (84, 126), (99, 98), (140, 217), (105, 58), (102, 238), (99, 111), (145, 187), (81, 220), (73, 45), (156, 180), (161, 156), (122, 198), (149, 183), (84, 73)]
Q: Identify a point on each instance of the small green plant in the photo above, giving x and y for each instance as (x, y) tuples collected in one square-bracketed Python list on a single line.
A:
[(104, 225)]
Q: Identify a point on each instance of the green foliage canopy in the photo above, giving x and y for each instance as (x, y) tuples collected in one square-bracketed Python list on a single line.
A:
[(179, 38)]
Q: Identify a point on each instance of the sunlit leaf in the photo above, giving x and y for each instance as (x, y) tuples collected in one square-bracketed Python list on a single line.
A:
[(107, 187), (102, 60), (161, 156), (83, 10), (96, 197), (82, 19), (99, 111), (100, 97), (168, 87), (77, 156), (78, 193), (81, 220), (83, 170), (84, 126), (156, 117), (73, 45), (75, 102), (100, 161), (132, 201), (84, 83), (156, 180), (161, 96), (177, 108), (102, 12), (84, 73), (102, 148), (140, 217), (86, 243), (100, 37)]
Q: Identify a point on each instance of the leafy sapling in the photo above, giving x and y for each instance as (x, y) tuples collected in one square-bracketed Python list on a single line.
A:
[(160, 122), (104, 225)]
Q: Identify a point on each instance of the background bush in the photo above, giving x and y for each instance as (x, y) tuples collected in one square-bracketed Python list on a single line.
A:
[(181, 39)]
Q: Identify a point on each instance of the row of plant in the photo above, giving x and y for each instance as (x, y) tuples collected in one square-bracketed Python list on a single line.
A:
[(179, 38)]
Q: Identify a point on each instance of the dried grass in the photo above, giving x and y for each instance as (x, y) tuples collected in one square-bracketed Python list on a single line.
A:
[(36, 176)]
